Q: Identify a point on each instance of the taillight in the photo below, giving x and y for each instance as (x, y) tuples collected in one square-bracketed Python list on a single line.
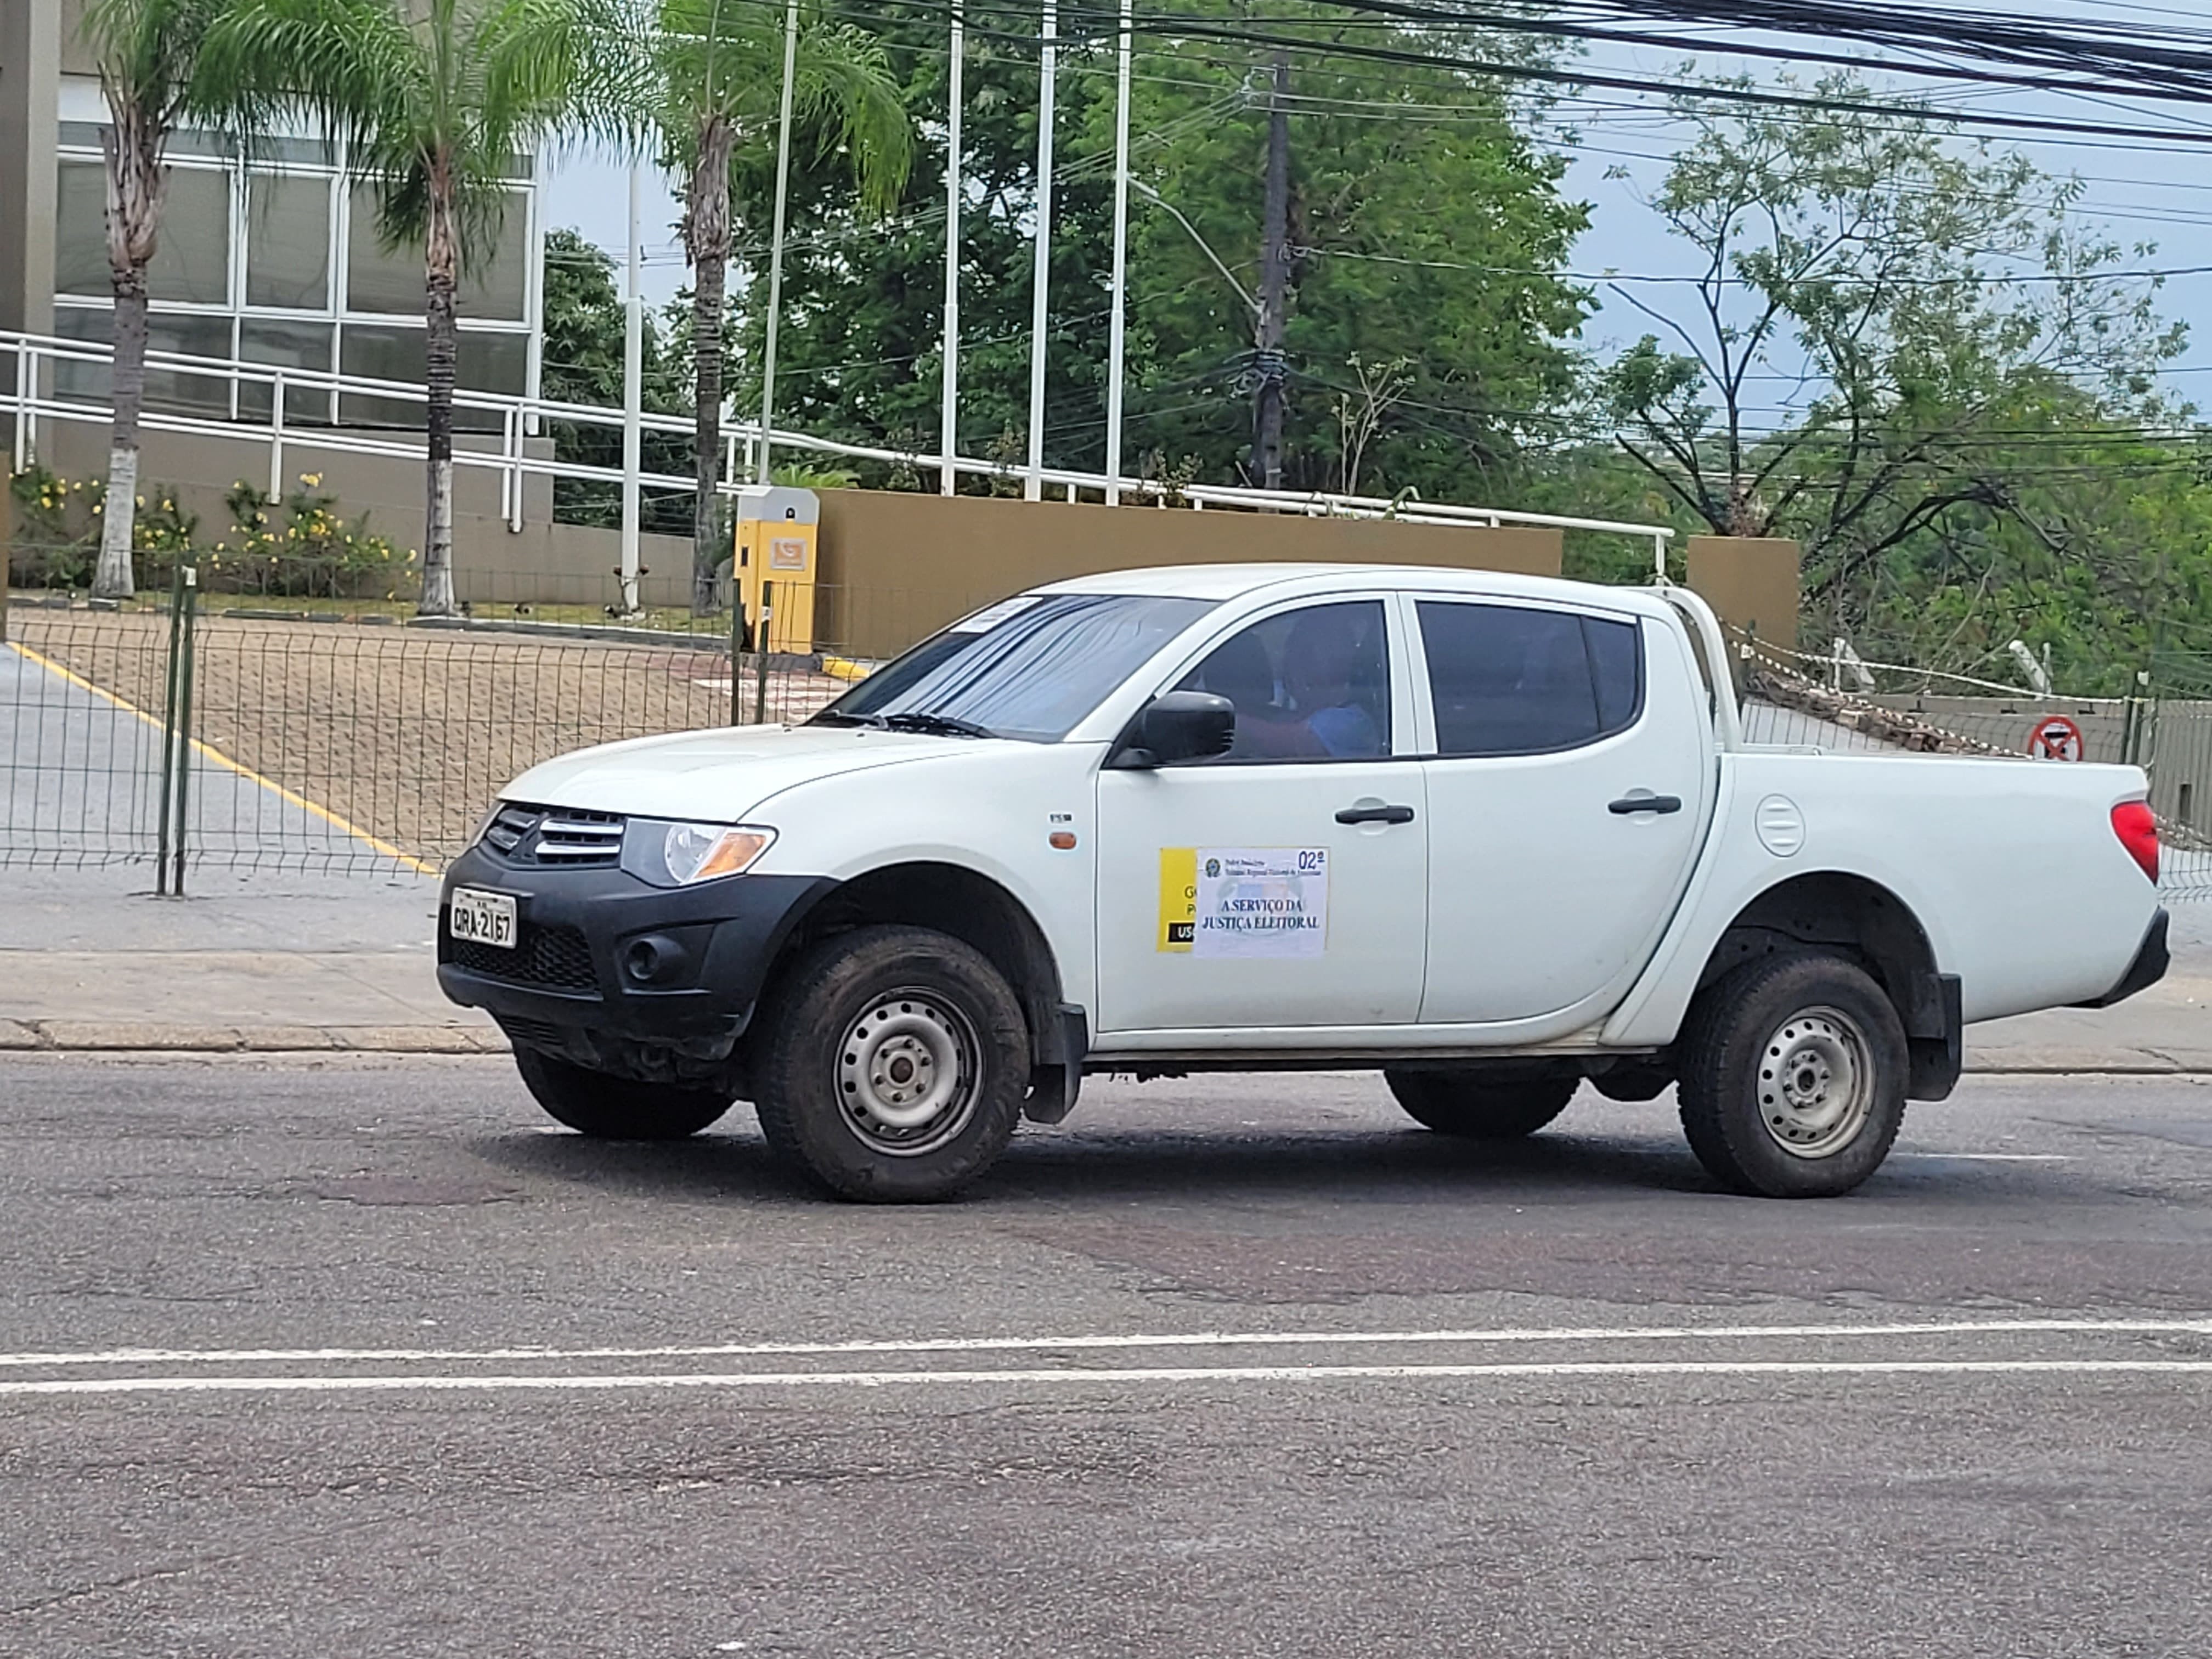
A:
[(2136, 826)]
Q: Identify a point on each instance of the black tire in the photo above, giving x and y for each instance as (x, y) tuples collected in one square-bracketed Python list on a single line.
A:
[(1793, 1075), (614, 1108), (1463, 1104), (870, 1028)]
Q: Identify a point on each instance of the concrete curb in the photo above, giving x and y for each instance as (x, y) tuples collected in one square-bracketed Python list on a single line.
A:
[(100, 1036)]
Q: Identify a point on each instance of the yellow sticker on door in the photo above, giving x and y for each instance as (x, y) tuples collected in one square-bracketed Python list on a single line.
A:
[(1244, 901), (1178, 897)]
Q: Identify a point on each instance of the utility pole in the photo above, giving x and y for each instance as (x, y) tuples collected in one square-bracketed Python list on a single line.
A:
[(1117, 328), (775, 243), (948, 417), (633, 400), (1274, 284), (1040, 281)]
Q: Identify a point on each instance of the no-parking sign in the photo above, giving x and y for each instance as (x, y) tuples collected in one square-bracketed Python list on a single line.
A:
[(2056, 738)]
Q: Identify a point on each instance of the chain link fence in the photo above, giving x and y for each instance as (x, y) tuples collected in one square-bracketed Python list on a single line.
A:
[(221, 729), (199, 731), (1844, 705)]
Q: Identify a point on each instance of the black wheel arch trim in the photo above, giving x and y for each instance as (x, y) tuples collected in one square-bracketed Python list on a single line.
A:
[(2151, 961)]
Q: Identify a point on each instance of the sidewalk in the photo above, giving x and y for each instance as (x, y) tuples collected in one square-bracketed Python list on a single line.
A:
[(90, 960)]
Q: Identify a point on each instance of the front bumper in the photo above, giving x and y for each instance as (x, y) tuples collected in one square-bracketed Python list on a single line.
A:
[(603, 960), (2146, 970)]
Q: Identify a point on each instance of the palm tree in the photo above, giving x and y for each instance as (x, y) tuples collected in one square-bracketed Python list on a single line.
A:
[(432, 100), (717, 80), (147, 52)]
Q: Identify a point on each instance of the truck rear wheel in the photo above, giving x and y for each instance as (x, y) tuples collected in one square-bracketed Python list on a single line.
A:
[(1463, 1104), (609, 1108), (1793, 1077), (892, 1065)]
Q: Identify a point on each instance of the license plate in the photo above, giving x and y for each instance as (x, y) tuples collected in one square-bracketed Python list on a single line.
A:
[(482, 918)]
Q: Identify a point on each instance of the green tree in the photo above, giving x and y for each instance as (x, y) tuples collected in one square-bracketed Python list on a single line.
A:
[(859, 353), (1429, 337), (431, 102), (581, 362), (1424, 210), (715, 86), (151, 77), (1934, 302)]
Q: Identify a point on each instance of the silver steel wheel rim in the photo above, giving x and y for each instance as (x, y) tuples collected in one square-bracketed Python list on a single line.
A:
[(907, 1074), (1815, 1083)]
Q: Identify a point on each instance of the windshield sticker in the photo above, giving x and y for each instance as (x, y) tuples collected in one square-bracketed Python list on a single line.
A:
[(992, 615), (1244, 901)]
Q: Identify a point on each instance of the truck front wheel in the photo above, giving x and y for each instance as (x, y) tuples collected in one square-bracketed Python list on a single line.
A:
[(891, 1064), (1793, 1074), (612, 1108), (1462, 1103)]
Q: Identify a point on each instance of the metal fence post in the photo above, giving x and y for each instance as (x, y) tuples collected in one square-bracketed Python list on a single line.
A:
[(184, 724), (760, 656), (169, 730), (736, 660)]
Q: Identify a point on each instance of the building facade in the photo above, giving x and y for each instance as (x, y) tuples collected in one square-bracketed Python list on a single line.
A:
[(276, 262)]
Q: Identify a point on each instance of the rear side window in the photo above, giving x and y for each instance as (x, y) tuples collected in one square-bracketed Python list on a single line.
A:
[(1510, 680)]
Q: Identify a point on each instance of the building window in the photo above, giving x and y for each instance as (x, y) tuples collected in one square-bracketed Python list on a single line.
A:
[(287, 345), (80, 230), (287, 242), (495, 283), (167, 390), (376, 352), (273, 259), (379, 279), (487, 362)]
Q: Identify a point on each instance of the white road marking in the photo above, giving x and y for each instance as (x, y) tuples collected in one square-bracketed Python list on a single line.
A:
[(423, 1384), (2197, 1326), (1992, 1157)]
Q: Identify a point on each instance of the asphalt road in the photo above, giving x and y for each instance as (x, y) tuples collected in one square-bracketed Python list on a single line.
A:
[(1242, 1366)]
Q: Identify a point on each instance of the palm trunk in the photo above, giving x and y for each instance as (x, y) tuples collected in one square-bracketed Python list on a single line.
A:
[(441, 263), (115, 578), (131, 145), (707, 231)]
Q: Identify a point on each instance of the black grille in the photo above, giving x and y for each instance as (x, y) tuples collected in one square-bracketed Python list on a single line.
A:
[(557, 957), (556, 837), (539, 1033)]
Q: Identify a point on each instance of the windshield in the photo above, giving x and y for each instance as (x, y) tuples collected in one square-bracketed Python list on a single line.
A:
[(1028, 667)]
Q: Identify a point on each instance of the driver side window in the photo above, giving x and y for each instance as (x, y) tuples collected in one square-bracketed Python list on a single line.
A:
[(1309, 685)]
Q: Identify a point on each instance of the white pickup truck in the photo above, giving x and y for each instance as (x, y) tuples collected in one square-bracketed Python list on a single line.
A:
[(1493, 837)]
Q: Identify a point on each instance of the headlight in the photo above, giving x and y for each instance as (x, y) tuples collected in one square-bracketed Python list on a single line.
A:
[(679, 855)]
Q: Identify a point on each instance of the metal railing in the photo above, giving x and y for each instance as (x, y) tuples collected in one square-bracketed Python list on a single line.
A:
[(29, 390)]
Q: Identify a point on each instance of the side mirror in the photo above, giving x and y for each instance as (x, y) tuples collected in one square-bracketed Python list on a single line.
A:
[(1178, 725)]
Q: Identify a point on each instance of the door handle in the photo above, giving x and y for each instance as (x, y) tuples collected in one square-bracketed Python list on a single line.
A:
[(1376, 815), (1644, 803)]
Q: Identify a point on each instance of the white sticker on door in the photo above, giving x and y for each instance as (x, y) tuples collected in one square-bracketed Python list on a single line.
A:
[(1261, 901)]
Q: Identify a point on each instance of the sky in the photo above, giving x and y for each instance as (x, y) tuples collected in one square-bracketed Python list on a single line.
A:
[(2137, 193)]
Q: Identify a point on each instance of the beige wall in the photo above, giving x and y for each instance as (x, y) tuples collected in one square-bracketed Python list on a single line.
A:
[(896, 566), (1751, 581), (562, 564), (389, 489)]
